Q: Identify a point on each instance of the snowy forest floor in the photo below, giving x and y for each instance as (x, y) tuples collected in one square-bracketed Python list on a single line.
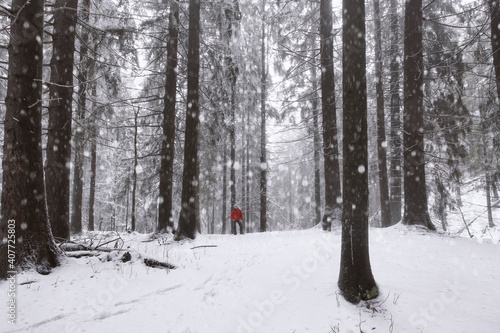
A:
[(279, 282)]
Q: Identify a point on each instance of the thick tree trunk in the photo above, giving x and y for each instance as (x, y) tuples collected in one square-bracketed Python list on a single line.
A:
[(395, 134), (415, 192), (165, 213), (356, 280), (57, 168), (330, 136), (263, 152), (24, 209), (189, 219), (385, 204), (79, 142)]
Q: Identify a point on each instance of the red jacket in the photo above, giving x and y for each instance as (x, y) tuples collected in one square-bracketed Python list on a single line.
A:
[(236, 215)]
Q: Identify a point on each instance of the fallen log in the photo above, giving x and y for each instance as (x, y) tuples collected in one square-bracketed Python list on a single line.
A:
[(155, 263)]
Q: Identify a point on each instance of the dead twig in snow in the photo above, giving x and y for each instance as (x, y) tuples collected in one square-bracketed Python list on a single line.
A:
[(465, 222), (196, 247), (111, 241)]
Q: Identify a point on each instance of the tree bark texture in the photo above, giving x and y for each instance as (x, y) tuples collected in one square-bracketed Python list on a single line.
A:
[(330, 136), (93, 163), (395, 173), (93, 175), (356, 280), (57, 168), (189, 219), (415, 192), (385, 204), (316, 142), (134, 172), (165, 214), (79, 142), (23, 193), (495, 44)]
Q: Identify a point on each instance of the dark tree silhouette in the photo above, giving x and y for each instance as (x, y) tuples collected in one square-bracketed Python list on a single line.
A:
[(316, 138), (233, 15), (356, 280), (330, 139), (189, 219), (23, 192), (165, 218), (57, 170), (263, 152), (495, 42), (385, 204), (415, 192)]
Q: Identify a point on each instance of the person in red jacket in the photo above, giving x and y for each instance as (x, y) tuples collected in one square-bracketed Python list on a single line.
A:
[(236, 217)]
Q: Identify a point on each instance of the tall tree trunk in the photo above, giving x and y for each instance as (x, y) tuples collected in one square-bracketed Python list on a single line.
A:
[(93, 164), (165, 217), (291, 213), (57, 168), (385, 205), (330, 136), (248, 180), (243, 166), (189, 219), (79, 142), (232, 136), (395, 134), (316, 141), (415, 192), (263, 152), (495, 44), (134, 171), (232, 16), (356, 279), (224, 187), (24, 208)]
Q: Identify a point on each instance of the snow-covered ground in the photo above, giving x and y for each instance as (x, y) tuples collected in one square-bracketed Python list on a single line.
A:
[(279, 282), (269, 282)]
